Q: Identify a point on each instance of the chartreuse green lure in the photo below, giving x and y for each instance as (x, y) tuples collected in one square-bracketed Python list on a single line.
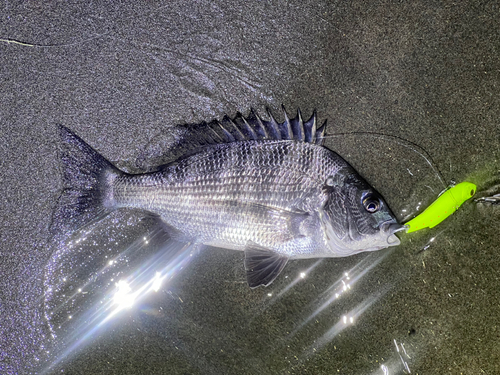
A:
[(447, 203)]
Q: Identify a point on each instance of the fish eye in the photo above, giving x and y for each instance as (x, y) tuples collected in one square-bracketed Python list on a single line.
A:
[(371, 203)]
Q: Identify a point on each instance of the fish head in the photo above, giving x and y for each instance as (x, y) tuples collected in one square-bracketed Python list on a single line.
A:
[(355, 217)]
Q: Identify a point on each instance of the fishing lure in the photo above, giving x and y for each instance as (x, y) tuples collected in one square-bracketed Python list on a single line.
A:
[(447, 203)]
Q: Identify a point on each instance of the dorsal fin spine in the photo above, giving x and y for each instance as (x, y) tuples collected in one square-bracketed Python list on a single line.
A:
[(300, 136), (310, 129), (233, 128), (245, 128), (213, 134), (259, 126), (286, 126), (320, 134), (208, 137), (272, 126), (226, 133)]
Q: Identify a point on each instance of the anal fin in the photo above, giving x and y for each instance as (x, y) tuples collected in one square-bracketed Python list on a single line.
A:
[(262, 265)]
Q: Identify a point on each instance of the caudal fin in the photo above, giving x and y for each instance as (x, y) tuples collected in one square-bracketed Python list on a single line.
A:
[(87, 194)]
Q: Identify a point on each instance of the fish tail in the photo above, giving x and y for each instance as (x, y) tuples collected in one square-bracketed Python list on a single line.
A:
[(87, 194)]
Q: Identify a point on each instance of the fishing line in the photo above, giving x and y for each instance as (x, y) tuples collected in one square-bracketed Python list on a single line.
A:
[(402, 142)]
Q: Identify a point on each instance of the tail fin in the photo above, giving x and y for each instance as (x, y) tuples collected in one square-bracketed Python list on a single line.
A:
[(87, 194)]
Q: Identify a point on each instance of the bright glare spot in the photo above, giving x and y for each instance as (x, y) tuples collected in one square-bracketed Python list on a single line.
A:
[(269, 294), (432, 239), (110, 262), (302, 275), (79, 290), (348, 319), (156, 282), (384, 369), (123, 298), (70, 317)]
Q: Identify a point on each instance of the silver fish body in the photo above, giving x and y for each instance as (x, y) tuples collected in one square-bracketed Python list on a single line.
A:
[(275, 199)]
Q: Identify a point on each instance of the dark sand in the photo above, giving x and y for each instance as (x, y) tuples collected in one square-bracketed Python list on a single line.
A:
[(119, 74)]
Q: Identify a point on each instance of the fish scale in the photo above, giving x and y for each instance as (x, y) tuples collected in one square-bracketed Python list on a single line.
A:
[(217, 190)]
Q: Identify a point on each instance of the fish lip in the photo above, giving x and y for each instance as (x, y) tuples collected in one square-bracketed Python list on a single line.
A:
[(389, 228)]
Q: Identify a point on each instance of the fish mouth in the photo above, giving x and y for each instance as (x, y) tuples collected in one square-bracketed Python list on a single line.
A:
[(388, 228)]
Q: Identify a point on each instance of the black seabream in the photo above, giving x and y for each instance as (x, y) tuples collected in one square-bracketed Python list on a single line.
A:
[(269, 189)]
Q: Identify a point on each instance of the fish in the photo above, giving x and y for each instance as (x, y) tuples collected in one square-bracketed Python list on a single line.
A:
[(268, 188)]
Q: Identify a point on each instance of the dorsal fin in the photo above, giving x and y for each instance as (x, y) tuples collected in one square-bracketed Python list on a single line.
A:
[(189, 138), (254, 127)]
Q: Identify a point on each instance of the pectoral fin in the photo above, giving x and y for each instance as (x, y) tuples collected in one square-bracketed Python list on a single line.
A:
[(262, 265)]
